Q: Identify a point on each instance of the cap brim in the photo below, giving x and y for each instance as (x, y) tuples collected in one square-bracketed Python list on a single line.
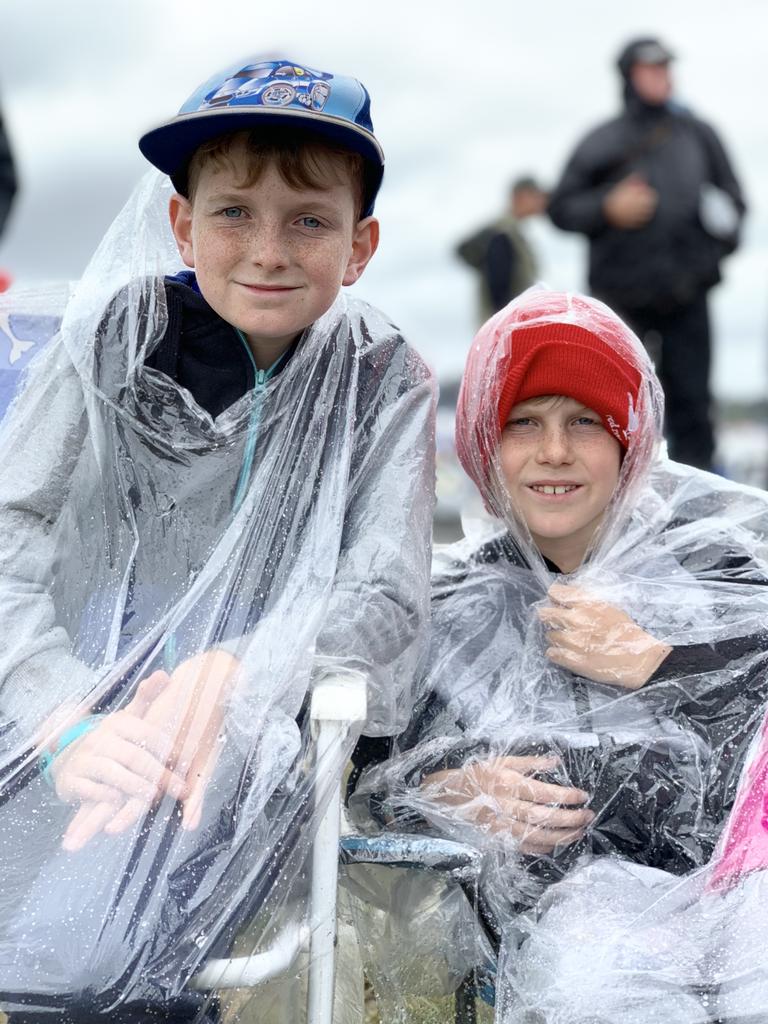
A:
[(170, 146), (654, 53)]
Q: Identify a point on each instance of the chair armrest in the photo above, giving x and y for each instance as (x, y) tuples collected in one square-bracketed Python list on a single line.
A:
[(417, 851), (338, 702), (458, 861), (339, 698)]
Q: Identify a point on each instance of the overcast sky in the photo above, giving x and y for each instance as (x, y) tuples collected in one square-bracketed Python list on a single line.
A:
[(465, 96)]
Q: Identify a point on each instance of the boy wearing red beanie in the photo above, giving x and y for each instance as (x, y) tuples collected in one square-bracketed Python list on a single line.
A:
[(597, 665), (551, 403)]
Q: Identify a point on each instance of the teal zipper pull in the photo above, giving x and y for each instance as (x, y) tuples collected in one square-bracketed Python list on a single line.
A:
[(261, 377), (170, 652)]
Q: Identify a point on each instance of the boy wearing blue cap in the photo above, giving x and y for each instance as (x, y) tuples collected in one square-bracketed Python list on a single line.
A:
[(238, 500), (276, 172), (271, 137)]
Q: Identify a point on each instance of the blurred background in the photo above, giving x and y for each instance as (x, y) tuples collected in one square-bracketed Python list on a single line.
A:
[(465, 99)]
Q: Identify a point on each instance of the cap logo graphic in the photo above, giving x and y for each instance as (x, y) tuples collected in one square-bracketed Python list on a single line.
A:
[(273, 84)]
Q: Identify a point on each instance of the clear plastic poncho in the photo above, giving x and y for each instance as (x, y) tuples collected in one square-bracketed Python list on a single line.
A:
[(289, 536), (652, 909)]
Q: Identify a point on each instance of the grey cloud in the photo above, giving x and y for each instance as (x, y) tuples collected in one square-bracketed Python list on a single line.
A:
[(462, 102)]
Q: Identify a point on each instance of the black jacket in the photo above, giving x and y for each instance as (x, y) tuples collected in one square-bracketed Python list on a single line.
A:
[(671, 260), (201, 351), (652, 807)]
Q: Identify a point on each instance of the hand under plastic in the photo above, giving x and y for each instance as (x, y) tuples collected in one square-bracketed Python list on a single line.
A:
[(501, 795), (597, 640), (164, 741)]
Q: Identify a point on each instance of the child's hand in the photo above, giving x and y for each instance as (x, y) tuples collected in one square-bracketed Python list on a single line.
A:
[(598, 641), (191, 711), (186, 717), (501, 795), (123, 756)]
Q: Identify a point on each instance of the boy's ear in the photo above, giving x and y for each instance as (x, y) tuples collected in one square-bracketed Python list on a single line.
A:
[(180, 214), (365, 241)]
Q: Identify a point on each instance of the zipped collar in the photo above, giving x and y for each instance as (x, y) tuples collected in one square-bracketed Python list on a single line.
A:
[(203, 353), (262, 376)]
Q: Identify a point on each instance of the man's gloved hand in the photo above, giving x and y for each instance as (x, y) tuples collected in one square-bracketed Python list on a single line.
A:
[(630, 204)]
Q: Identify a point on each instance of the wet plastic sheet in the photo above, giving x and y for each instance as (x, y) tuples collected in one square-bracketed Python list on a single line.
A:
[(642, 944), (232, 561), (628, 917)]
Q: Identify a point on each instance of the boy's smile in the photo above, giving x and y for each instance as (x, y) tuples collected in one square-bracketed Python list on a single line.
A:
[(269, 258), (560, 468)]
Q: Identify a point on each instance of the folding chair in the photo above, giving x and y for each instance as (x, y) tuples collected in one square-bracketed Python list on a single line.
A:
[(337, 706), (457, 862)]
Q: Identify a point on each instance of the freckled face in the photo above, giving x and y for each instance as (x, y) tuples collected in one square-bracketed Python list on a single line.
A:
[(561, 467), (270, 259)]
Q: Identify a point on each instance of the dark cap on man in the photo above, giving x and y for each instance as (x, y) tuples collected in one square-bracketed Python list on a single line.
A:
[(647, 50)]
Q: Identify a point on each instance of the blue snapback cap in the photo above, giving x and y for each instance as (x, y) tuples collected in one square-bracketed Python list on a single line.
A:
[(247, 96)]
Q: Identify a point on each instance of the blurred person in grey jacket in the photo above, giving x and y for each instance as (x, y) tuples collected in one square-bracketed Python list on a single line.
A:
[(501, 253), (655, 194)]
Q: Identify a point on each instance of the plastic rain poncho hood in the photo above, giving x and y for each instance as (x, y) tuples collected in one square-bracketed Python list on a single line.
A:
[(139, 531), (626, 923)]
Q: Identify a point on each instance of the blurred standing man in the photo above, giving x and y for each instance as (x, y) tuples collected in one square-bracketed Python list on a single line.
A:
[(7, 177), (501, 253), (654, 192), (7, 192)]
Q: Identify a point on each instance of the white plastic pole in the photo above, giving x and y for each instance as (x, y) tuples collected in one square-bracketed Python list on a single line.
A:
[(337, 704), (325, 870)]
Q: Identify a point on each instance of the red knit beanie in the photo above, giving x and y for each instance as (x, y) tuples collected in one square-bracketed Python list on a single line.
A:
[(566, 359), (547, 343)]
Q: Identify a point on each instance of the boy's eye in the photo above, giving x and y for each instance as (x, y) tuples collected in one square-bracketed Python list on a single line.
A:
[(519, 422), (587, 421), (232, 212), (310, 222)]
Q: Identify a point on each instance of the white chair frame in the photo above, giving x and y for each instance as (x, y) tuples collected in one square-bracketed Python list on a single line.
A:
[(338, 705)]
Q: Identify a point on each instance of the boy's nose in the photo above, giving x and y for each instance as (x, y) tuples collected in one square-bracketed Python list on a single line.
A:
[(267, 248), (555, 448)]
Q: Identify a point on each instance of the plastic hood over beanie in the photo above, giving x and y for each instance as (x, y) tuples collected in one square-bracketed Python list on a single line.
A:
[(550, 343), (140, 532), (630, 912)]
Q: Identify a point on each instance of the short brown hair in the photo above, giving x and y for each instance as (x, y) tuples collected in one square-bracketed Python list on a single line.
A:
[(303, 159)]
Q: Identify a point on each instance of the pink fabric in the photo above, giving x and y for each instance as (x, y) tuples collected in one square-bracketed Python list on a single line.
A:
[(744, 847)]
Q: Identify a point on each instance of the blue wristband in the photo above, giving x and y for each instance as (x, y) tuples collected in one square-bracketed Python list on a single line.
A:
[(69, 736)]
